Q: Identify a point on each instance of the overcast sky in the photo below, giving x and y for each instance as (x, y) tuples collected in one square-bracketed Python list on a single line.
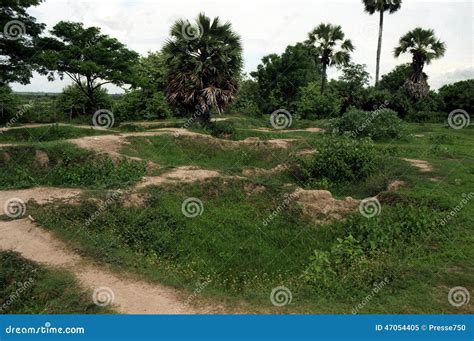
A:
[(268, 26)]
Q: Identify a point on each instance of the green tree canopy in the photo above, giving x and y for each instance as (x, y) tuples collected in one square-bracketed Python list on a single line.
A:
[(88, 57), (280, 77), (204, 62), (18, 31)]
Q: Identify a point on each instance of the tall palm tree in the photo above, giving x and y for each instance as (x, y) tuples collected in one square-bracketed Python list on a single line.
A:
[(381, 6), (424, 47), (328, 44), (204, 62)]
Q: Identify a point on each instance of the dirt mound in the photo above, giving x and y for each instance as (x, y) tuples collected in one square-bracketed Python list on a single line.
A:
[(262, 171), (311, 130), (322, 207), (180, 174), (423, 166), (396, 185), (41, 195), (305, 152), (130, 296), (41, 159)]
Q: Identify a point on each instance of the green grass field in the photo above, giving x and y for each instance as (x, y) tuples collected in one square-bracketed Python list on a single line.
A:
[(240, 253)]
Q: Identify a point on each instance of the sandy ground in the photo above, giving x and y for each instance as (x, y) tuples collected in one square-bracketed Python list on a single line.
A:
[(322, 207), (41, 194), (179, 174), (130, 296), (423, 166)]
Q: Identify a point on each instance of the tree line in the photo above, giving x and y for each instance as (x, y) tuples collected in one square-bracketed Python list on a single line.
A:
[(199, 69)]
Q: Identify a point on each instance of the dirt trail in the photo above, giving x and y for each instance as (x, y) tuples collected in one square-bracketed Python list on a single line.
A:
[(423, 166), (41, 194), (268, 130), (130, 296)]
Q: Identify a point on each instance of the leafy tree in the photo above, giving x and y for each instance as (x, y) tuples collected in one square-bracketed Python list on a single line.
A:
[(204, 61), (351, 85), (18, 31), (395, 79), (146, 99), (329, 47), (247, 99), (381, 6), (458, 95), (424, 47), (8, 103), (74, 102), (279, 77), (88, 57), (313, 104)]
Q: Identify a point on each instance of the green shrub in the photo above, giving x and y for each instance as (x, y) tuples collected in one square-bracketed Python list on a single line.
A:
[(378, 124), (312, 104), (339, 160), (73, 102), (426, 116), (222, 129)]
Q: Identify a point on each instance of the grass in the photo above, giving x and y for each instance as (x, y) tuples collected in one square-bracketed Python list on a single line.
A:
[(67, 166), (27, 288), (242, 258), (168, 151), (47, 133)]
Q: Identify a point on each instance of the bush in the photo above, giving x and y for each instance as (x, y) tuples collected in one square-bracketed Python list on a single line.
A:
[(222, 129), (370, 250), (378, 124), (426, 117), (312, 104), (73, 102), (339, 160), (246, 101), (8, 104), (141, 105)]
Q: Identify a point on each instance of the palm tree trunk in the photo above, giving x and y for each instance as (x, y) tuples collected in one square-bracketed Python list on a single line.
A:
[(379, 49), (323, 80)]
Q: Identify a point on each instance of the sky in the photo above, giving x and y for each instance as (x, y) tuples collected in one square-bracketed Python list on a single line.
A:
[(268, 26)]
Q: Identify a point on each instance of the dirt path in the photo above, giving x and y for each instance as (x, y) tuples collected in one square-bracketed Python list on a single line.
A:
[(41, 194), (129, 296)]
